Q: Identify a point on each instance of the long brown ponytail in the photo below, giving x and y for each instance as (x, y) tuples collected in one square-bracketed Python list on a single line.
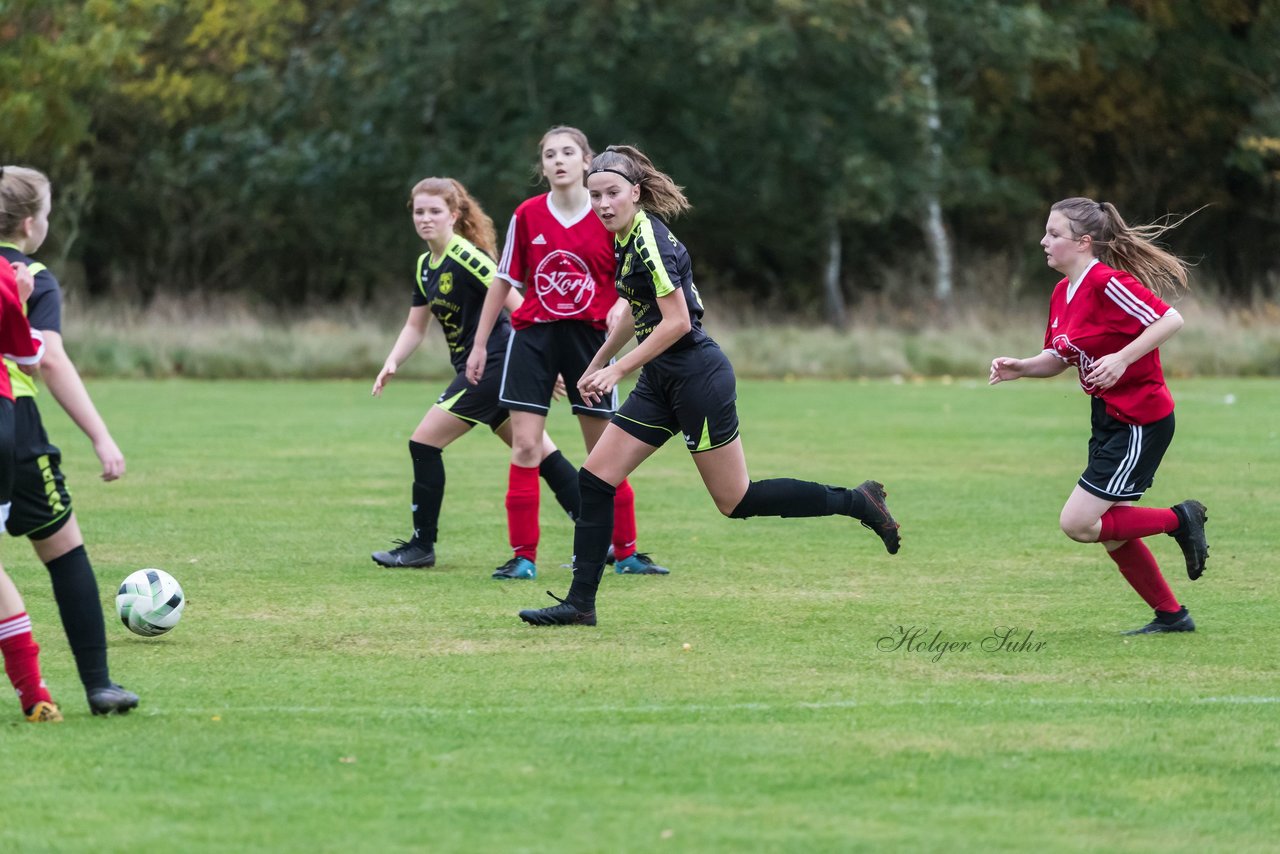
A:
[(658, 193), (1128, 247)]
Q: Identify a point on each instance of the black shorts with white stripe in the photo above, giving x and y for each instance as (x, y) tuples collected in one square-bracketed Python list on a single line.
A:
[(1123, 458), (536, 354)]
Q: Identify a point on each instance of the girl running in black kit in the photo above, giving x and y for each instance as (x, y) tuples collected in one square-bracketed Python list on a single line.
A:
[(686, 386)]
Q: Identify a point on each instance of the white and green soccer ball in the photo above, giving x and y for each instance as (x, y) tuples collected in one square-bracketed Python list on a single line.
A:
[(150, 602)]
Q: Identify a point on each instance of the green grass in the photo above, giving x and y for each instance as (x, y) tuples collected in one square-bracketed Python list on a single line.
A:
[(309, 701)]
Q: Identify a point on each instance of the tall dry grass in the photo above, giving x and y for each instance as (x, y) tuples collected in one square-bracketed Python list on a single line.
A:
[(200, 337)]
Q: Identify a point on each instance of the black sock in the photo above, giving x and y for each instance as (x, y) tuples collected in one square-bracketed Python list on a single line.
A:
[(562, 477), (75, 589), (428, 492), (591, 536), (788, 498)]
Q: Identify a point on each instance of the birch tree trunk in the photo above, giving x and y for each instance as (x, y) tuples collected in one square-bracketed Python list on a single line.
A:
[(935, 231), (834, 298)]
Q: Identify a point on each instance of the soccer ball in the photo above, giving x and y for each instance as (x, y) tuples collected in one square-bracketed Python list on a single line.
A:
[(150, 602)]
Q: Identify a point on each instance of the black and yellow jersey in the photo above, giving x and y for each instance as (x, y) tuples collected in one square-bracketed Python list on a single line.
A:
[(653, 263), (454, 287)]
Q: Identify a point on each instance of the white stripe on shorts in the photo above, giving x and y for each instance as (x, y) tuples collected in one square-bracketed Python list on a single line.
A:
[(502, 387), (1119, 480)]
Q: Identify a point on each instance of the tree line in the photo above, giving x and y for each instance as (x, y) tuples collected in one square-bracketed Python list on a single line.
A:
[(833, 149)]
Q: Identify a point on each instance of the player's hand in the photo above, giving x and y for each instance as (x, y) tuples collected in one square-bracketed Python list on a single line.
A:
[(1106, 371), (1005, 368), (560, 389), (384, 376), (475, 364), (594, 386), (26, 281), (111, 458)]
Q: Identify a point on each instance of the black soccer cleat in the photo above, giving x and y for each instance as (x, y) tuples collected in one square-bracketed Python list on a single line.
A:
[(563, 614), (878, 517), (1179, 621), (1190, 535), (408, 555), (111, 700)]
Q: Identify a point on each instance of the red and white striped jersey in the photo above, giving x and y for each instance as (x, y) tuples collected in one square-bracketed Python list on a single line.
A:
[(18, 341), (1101, 315)]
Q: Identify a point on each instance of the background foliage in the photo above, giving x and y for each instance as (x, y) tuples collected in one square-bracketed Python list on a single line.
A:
[(266, 146)]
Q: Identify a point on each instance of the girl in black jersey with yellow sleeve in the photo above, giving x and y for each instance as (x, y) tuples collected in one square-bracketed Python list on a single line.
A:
[(686, 386), (451, 282)]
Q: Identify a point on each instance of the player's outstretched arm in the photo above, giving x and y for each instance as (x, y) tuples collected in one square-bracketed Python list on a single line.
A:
[(66, 386), (1045, 364), (410, 337)]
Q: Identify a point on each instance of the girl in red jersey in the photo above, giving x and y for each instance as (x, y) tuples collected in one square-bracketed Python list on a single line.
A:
[(452, 279), (561, 256), (686, 386), (21, 653), (1104, 322)]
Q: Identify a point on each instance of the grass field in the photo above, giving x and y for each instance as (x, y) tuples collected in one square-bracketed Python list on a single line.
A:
[(310, 701)]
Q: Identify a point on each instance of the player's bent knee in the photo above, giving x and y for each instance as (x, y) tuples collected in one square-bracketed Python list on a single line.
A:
[(1079, 531)]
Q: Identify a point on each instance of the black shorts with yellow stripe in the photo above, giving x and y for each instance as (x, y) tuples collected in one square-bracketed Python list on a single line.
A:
[(477, 403), (41, 504), (692, 392)]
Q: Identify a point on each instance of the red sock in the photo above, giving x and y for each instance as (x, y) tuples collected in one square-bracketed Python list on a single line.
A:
[(22, 660), (1139, 568), (1131, 523), (522, 496), (624, 522), (522, 511)]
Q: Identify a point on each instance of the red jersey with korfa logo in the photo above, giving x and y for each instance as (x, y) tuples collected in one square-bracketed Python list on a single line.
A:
[(18, 341), (564, 266), (1108, 309)]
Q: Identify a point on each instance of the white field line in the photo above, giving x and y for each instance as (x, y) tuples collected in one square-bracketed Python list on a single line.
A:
[(700, 708)]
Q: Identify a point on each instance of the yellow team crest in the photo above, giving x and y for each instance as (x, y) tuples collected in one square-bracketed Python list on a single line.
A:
[(446, 282), (626, 266)]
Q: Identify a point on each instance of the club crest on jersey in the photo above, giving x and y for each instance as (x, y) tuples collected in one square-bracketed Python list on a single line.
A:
[(563, 284), (626, 266), (446, 282), (1074, 356)]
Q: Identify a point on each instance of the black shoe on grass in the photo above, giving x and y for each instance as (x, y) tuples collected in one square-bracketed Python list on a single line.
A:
[(111, 700), (1190, 536), (1179, 621), (563, 614), (410, 555), (878, 518)]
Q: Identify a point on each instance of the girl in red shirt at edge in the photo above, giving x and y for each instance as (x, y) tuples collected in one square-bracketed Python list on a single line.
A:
[(557, 251), (1104, 322), (20, 651)]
